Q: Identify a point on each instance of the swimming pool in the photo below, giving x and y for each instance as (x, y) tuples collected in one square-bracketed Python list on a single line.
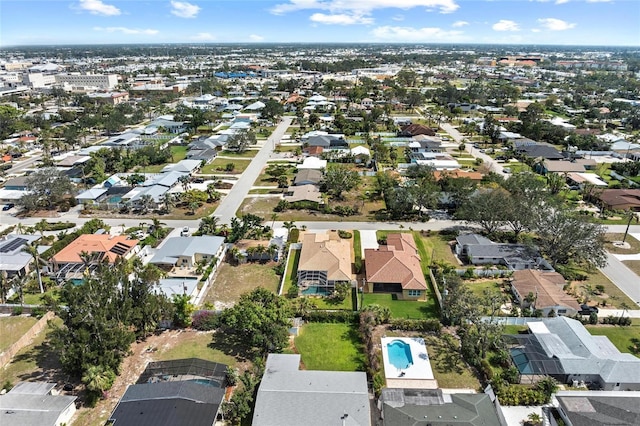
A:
[(399, 354)]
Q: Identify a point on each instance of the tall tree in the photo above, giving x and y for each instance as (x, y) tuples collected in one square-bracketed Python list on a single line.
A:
[(340, 178), (46, 188), (32, 249)]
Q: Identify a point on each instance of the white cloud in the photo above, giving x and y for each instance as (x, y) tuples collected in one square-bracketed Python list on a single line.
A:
[(203, 37), (506, 25), (125, 30), (562, 1), (390, 33), (256, 37), (182, 9), (459, 24), (553, 24), (97, 7), (340, 19), (363, 7)]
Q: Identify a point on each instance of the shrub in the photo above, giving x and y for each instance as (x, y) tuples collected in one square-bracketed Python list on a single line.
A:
[(429, 325), (345, 234), (469, 274), (511, 375), (331, 317), (38, 312), (17, 310), (486, 369), (294, 235), (205, 320)]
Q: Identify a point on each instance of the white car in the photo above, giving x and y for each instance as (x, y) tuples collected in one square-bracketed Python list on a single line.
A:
[(184, 232)]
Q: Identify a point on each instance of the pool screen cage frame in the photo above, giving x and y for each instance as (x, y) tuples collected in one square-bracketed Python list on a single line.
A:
[(539, 363), (208, 370)]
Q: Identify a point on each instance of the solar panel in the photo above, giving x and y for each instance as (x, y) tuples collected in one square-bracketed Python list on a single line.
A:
[(12, 245), (119, 249)]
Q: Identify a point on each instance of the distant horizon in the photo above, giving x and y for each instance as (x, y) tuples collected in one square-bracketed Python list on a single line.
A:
[(481, 22)]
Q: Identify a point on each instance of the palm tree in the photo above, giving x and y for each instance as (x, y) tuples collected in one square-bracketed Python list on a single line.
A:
[(97, 378), (157, 225), (4, 286), (629, 215), (168, 201), (32, 249), (274, 216), (534, 419), (146, 203), (18, 282), (209, 225)]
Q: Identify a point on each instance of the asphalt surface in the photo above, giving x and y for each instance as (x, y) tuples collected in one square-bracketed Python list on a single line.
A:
[(624, 278), (233, 200)]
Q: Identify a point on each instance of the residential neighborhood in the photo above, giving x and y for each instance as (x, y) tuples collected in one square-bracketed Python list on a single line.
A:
[(316, 235)]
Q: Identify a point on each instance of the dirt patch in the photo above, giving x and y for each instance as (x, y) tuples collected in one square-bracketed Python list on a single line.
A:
[(233, 281)]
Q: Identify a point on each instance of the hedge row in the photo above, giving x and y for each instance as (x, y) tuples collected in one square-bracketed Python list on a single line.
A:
[(427, 325), (332, 316)]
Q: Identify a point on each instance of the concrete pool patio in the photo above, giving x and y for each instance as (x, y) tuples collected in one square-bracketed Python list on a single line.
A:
[(416, 373)]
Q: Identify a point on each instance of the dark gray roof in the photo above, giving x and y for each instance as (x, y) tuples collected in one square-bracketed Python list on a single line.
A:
[(421, 407), (164, 412), (608, 408), (327, 141), (182, 389), (289, 396), (545, 151)]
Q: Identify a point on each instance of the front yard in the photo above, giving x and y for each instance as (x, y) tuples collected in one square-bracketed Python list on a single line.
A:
[(330, 347)]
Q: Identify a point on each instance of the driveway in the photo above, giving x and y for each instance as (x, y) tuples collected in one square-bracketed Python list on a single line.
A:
[(368, 240), (232, 202)]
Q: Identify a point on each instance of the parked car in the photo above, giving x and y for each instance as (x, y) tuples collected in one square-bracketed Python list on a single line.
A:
[(8, 207), (184, 232), (587, 310), (198, 180)]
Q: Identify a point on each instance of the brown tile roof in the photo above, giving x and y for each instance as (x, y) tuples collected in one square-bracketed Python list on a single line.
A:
[(547, 285), (438, 174), (322, 252), (307, 192), (619, 198), (95, 243), (396, 262), (314, 150), (418, 129)]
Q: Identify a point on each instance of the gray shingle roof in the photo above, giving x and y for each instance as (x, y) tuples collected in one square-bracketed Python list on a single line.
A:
[(188, 246), (289, 396)]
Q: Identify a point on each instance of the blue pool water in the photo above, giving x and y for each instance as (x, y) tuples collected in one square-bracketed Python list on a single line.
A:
[(399, 354), (206, 382)]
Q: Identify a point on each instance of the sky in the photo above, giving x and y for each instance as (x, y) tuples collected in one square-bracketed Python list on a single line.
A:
[(555, 22)]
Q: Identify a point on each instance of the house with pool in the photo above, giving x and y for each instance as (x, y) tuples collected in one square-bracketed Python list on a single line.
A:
[(406, 363), (325, 260), (395, 268)]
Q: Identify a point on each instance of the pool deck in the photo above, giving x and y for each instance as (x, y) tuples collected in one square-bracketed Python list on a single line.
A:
[(419, 375)]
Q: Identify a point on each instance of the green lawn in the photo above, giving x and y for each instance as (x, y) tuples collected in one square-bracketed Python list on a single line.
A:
[(330, 347), (12, 328), (178, 152), (325, 303), (219, 166), (449, 369), (403, 308), (622, 337), (197, 344), (250, 153), (233, 281), (478, 288), (292, 270)]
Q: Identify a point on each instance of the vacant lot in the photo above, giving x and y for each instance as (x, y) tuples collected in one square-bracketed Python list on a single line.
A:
[(612, 295), (626, 339), (12, 328), (634, 265), (332, 347), (219, 165), (233, 281)]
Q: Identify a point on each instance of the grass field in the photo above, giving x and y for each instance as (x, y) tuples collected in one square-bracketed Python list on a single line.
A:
[(292, 269), (250, 153), (449, 369), (331, 347), (634, 265), (403, 308), (178, 152), (233, 281), (635, 244), (219, 166), (613, 296), (478, 288), (195, 344), (12, 328)]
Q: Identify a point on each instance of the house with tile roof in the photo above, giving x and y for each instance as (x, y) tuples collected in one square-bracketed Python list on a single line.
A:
[(547, 290), (325, 260), (395, 268), (68, 262), (619, 199)]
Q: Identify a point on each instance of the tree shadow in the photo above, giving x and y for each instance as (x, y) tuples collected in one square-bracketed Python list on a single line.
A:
[(447, 359), (232, 344)]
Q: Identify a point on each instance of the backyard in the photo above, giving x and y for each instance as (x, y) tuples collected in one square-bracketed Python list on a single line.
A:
[(330, 347), (12, 328), (410, 309), (233, 281), (626, 339), (449, 369)]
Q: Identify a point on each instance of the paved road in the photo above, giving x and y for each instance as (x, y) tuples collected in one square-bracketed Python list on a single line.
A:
[(457, 136), (25, 164), (624, 278), (231, 203)]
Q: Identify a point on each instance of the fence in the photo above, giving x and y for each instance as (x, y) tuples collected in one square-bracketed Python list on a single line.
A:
[(23, 341), (436, 289)]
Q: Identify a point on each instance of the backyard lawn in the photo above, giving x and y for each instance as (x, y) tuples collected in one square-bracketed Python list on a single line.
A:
[(233, 281), (449, 369), (12, 328), (330, 347), (194, 344), (403, 308)]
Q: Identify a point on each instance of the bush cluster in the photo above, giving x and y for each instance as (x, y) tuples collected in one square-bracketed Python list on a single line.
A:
[(427, 326)]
